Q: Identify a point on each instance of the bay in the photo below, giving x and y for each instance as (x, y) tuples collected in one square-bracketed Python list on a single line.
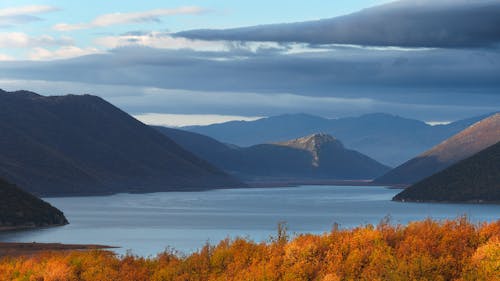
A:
[(146, 224)]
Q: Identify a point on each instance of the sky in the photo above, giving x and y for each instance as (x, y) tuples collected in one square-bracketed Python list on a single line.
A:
[(199, 62)]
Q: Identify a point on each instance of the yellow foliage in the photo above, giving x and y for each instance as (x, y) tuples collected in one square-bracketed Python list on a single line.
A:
[(424, 250)]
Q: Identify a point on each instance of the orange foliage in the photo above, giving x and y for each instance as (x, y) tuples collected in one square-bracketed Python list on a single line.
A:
[(425, 250)]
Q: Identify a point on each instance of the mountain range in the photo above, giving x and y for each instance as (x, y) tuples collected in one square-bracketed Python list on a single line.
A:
[(473, 139), (19, 209), (474, 179), (317, 156), (386, 138), (74, 145)]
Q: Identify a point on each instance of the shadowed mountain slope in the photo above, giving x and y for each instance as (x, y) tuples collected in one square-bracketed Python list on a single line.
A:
[(462, 145), (19, 209), (475, 179), (84, 145)]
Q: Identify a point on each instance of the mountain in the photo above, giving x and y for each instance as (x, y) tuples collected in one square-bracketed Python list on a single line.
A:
[(73, 145), (462, 145), (19, 209), (387, 138), (475, 179), (317, 156)]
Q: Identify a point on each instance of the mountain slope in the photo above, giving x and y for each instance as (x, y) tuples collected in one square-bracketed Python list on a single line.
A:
[(20, 209), (84, 145), (389, 139), (462, 145), (318, 156), (202, 146), (475, 179)]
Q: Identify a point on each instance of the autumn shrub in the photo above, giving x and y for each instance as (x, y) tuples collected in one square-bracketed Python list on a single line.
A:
[(424, 250)]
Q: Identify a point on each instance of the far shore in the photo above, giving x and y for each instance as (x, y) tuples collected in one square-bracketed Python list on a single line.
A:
[(290, 183)]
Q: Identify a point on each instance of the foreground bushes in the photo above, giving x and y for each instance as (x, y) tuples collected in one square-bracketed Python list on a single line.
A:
[(425, 250)]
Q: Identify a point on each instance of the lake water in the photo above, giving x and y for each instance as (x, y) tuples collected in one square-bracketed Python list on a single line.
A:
[(148, 223)]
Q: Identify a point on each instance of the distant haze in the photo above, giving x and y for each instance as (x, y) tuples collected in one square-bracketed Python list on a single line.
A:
[(179, 120)]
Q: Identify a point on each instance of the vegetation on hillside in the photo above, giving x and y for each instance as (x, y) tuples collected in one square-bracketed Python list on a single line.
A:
[(425, 250), (19, 209), (475, 179)]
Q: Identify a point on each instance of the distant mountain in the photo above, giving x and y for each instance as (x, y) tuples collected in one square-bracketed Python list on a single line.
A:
[(475, 179), (84, 145), (462, 145), (19, 209), (387, 138), (318, 156)]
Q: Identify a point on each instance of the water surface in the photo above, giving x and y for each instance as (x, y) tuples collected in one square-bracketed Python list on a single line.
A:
[(148, 223)]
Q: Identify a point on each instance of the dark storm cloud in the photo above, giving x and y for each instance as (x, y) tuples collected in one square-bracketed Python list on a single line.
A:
[(423, 23)]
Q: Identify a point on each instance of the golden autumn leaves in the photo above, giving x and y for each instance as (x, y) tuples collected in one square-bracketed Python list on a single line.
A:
[(425, 250)]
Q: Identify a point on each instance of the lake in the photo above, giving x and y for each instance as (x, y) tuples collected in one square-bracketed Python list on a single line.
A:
[(147, 223)]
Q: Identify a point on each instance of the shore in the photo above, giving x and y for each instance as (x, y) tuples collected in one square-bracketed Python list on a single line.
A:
[(290, 182), (21, 249)]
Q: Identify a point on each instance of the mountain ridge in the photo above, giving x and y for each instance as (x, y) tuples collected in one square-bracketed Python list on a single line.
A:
[(390, 139), (473, 139), (81, 144), (317, 156)]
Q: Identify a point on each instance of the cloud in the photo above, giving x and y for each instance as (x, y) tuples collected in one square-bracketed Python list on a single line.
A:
[(23, 40), (127, 18), (161, 40), (431, 84), (344, 71), (23, 14), (4, 57), (61, 53), (423, 23)]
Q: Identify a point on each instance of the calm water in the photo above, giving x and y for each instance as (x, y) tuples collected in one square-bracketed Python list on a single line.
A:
[(147, 223)]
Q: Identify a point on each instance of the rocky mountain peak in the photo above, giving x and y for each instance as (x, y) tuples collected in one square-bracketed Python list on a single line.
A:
[(313, 144)]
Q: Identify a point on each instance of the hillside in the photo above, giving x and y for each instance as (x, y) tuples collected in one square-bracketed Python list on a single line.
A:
[(462, 145), (475, 179), (19, 209), (389, 139), (317, 156), (69, 145)]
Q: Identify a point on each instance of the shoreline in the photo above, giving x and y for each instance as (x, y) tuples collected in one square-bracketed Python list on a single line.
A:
[(27, 227), (9, 249)]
